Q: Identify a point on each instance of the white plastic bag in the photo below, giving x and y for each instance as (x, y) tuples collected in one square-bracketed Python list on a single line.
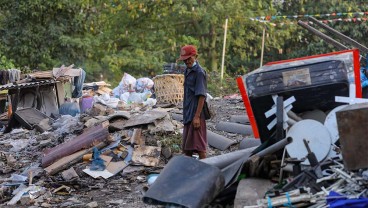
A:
[(150, 102), (125, 97), (144, 84), (127, 84), (107, 100), (136, 97)]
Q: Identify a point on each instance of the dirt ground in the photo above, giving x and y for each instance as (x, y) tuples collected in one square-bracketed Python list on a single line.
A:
[(122, 190)]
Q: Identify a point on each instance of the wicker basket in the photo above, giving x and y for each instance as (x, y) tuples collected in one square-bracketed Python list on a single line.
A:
[(169, 88)]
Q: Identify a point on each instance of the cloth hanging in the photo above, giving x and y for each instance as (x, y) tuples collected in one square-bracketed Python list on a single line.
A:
[(78, 85)]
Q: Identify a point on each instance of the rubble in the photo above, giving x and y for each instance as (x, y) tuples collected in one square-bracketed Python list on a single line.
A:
[(52, 162)]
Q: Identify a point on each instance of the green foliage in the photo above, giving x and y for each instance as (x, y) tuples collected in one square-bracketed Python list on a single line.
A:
[(6, 63), (108, 38), (303, 43), (40, 34)]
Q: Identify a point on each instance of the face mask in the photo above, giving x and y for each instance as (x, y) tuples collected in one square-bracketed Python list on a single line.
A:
[(194, 64)]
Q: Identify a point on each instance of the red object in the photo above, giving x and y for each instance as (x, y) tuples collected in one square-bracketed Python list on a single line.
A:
[(187, 52), (248, 107)]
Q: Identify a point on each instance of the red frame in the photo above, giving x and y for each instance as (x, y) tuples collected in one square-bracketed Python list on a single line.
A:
[(243, 89)]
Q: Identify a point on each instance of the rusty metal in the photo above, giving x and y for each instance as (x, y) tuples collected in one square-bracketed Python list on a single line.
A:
[(352, 124), (89, 138)]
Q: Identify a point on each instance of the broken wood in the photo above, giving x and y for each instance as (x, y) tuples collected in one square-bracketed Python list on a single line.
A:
[(146, 118), (67, 161), (69, 174), (146, 155), (90, 137), (137, 137)]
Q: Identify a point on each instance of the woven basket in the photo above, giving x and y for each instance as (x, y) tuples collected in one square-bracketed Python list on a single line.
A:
[(169, 88)]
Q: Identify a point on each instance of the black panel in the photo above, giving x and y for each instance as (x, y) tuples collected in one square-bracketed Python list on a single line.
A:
[(327, 80)]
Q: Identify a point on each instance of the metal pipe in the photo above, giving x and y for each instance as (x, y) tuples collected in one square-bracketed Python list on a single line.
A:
[(339, 35), (221, 161), (292, 115), (224, 160), (275, 147), (323, 36)]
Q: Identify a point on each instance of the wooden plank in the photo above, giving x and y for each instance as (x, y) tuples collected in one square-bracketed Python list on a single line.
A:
[(137, 137), (352, 124), (90, 136), (60, 92), (67, 161)]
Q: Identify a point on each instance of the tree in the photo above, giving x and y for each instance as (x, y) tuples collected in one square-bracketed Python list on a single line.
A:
[(304, 43), (40, 34)]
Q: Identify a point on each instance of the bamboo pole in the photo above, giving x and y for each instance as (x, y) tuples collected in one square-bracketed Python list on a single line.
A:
[(263, 43), (223, 50)]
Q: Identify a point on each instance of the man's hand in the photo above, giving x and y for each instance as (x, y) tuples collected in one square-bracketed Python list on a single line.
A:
[(196, 122)]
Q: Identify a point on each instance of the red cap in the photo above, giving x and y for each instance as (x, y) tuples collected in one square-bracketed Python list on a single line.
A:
[(187, 51)]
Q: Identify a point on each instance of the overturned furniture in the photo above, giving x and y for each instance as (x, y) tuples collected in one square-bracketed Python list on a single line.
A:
[(313, 81)]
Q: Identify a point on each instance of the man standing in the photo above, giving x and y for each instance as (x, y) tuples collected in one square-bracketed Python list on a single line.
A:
[(195, 91)]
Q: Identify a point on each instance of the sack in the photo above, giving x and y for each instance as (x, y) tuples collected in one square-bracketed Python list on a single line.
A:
[(208, 111)]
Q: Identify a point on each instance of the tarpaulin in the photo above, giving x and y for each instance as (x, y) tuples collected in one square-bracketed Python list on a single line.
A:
[(336, 200), (185, 182)]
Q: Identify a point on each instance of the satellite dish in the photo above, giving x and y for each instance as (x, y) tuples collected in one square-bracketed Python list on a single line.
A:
[(316, 115), (331, 123), (317, 136)]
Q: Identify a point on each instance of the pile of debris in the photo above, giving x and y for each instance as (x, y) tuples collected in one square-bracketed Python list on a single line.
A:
[(106, 140), (52, 158)]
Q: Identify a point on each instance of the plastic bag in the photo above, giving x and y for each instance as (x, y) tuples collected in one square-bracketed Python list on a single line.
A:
[(144, 84), (125, 97), (136, 97), (97, 162), (107, 100), (150, 102), (69, 109), (127, 84)]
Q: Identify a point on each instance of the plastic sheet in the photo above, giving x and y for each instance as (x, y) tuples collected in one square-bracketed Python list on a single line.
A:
[(336, 200), (127, 84), (107, 100), (69, 109), (19, 144), (185, 182), (144, 84), (97, 162), (66, 124)]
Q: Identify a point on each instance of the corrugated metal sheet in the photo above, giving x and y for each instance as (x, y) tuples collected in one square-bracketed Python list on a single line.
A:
[(27, 85)]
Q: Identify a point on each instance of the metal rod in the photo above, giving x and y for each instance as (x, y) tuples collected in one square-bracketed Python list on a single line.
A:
[(323, 36), (339, 35), (275, 147), (307, 146)]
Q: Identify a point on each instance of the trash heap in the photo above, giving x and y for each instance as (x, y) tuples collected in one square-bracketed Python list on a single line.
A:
[(45, 157), (98, 144)]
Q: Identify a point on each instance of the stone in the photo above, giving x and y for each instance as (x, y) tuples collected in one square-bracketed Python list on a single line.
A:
[(26, 200), (92, 204), (46, 205), (116, 202), (250, 190), (166, 152), (69, 174), (98, 110), (45, 143)]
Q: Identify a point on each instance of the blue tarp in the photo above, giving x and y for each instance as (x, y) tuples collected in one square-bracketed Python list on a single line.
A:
[(336, 200)]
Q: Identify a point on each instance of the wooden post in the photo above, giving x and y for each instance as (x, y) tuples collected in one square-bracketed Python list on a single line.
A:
[(223, 50), (263, 43)]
